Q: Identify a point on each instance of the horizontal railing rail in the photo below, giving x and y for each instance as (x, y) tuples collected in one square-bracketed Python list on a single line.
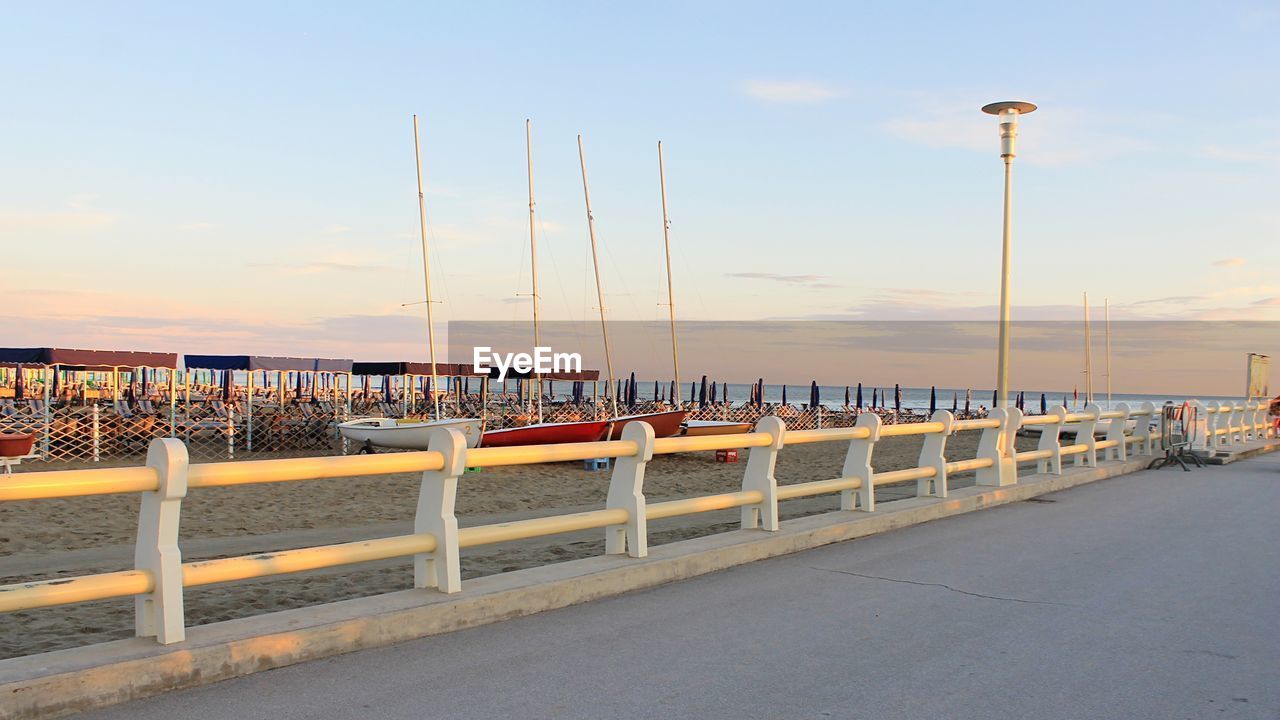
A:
[(159, 575)]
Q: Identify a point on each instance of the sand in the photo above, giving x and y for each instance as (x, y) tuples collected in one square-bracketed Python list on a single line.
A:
[(45, 539)]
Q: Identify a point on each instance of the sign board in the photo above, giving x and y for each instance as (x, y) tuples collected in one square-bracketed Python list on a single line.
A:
[(1259, 377)]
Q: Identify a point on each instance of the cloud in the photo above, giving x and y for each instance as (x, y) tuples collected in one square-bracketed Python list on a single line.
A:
[(790, 91), (314, 268), (810, 281), (335, 229), (1263, 153), (73, 220), (1229, 262), (1171, 300), (1268, 302)]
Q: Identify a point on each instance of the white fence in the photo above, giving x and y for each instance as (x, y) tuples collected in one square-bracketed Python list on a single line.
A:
[(159, 577)]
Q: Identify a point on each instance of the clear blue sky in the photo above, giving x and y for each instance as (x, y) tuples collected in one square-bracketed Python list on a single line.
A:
[(239, 177)]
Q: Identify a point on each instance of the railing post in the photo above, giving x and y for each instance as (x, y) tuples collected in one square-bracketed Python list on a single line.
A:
[(857, 463), (159, 613), (759, 476), (1115, 431), (934, 454), (997, 443), (1212, 414), (1236, 423), (440, 569), (97, 432), (1143, 429), (626, 491), (1050, 439), (1084, 434), (1250, 422), (231, 432)]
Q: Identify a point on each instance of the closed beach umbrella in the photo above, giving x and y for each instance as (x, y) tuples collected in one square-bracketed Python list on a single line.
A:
[(933, 399), (897, 398), (724, 392), (657, 391), (674, 400), (968, 398), (702, 393), (713, 392), (859, 397), (784, 393), (813, 394), (693, 392), (995, 395), (1044, 408), (875, 394), (846, 396), (635, 391), (955, 401)]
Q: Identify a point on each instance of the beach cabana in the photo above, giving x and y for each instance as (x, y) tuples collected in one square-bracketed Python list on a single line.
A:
[(229, 365), (52, 363)]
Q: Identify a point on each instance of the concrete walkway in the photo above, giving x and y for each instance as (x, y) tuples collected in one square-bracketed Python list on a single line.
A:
[(1154, 595)]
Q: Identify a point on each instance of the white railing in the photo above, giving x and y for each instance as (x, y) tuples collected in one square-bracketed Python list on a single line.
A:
[(159, 577)]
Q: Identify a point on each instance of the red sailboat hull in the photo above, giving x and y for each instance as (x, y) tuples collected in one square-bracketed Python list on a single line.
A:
[(665, 424), (712, 427), (547, 434)]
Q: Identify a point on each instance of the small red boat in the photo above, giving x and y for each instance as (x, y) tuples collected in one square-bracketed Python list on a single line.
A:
[(547, 434), (665, 424), (16, 445)]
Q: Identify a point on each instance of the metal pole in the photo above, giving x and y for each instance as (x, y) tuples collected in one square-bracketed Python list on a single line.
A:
[(1002, 362), (666, 237), (1088, 356), (426, 265), (610, 390), (1008, 113), (1106, 308), (248, 407), (533, 251)]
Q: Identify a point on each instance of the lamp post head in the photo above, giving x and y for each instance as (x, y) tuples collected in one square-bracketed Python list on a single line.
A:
[(1008, 112)]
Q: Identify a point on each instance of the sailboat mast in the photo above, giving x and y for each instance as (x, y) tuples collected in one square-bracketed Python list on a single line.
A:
[(1088, 355), (1106, 308), (426, 267), (595, 262), (533, 253), (671, 295)]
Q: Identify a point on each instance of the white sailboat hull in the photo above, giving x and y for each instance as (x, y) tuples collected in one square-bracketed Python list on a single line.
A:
[(402, 435)]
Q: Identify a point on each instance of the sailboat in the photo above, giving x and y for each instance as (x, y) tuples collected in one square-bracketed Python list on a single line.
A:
[(543, 433), (404, 433), (666, 423)]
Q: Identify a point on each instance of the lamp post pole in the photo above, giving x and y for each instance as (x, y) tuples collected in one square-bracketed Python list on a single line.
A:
[(1008, 113)]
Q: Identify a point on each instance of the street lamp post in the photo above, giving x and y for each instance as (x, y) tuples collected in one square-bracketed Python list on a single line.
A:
[(1008, 113)]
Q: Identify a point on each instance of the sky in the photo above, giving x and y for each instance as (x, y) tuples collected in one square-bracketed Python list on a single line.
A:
[(239, 177)]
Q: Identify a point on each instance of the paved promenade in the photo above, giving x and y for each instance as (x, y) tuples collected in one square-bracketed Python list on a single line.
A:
[(1155, 595)]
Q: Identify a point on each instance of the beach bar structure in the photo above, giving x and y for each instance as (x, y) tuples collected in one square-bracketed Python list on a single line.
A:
[(294, 374)]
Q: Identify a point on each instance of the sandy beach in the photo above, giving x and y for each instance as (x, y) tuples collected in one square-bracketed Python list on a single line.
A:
[(75, 536)]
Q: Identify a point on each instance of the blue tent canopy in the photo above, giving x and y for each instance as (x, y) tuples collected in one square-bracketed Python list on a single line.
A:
[(259, 362)]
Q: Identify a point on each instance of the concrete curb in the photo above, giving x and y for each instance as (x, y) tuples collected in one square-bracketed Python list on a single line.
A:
[(63, 682)]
